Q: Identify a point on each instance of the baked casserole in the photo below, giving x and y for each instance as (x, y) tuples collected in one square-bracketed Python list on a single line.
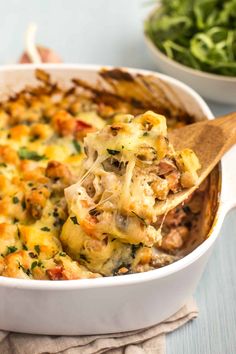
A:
[(45, 133)]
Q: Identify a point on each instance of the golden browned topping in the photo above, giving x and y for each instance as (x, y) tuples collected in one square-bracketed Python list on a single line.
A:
[(42, 132)]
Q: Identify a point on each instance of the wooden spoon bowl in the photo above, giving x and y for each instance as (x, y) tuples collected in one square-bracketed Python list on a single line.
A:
[(210, 140)]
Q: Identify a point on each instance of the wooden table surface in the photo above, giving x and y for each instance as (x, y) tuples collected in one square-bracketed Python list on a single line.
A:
[(110, 32)]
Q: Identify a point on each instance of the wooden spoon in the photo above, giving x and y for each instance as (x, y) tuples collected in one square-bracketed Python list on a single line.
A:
[(209, 139)]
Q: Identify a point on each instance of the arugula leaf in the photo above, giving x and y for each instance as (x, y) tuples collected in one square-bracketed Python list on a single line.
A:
[(25, 154), (200, 34)]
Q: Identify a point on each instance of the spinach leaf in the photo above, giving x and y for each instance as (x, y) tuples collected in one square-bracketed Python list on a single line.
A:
[(25, 154)]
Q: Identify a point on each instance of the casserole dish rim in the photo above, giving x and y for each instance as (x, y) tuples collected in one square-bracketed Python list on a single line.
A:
[(129, 278)]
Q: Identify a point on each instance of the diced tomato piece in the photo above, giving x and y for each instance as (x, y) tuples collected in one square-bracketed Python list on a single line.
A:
[(81, 125), (55, 273)]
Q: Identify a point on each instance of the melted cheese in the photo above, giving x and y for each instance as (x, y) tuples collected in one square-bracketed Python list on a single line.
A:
[(106, 223), (121, 195)]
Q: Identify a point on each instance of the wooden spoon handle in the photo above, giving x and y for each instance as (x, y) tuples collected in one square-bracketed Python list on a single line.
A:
[(209, 140), (227, 124)]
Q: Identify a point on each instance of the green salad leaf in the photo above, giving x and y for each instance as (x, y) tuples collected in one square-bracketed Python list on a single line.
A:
[(199, 33)]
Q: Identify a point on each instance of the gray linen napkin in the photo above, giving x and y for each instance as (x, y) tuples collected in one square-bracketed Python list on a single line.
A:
[(150, 340)]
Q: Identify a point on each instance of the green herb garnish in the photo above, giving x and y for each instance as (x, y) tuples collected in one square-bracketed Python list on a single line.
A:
[(45, 228), (113, 152), (15, 200), (145, 134), (11, 249), (62, 254), (74, 220), (37, 248), (3, 164), (25, 154), (36, 264), (18, 232), (23, 204), (76, 145)]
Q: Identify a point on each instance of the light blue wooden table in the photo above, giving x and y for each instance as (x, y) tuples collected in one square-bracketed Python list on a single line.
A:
[(110, 32)]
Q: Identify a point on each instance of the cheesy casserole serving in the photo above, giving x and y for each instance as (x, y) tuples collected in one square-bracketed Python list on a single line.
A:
[(57, 218)]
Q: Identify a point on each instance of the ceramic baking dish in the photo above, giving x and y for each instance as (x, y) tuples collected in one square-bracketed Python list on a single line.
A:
[(112, 304)]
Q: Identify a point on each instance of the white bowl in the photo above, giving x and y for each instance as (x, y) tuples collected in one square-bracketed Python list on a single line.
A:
[(218, 88), (112, 304)]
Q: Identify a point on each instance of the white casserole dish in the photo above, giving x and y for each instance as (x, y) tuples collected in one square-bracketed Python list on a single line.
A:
[(113, 304)]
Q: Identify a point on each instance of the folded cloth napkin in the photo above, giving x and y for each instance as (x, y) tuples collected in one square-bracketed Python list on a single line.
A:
[(150, 340)]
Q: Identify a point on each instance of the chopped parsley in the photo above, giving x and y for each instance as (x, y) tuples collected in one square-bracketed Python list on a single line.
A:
[(11, 249), (15, 200), (37, 248), (62, 254), (3, 164), (23, 204), (113, 152), (25, 247), (145, 134), (36, 264), (45, 228), (74, 220), (25, 154), (18, 232), (77, 146)]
